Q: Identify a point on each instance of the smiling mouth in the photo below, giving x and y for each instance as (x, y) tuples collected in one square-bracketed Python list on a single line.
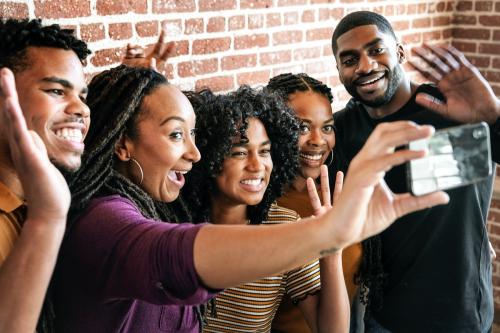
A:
[(69, 134), (371, 79), (311, 157)]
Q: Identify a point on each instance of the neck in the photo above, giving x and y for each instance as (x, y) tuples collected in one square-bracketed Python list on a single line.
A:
[(299, 184), (224, 213), (400, 98), (8, 173)]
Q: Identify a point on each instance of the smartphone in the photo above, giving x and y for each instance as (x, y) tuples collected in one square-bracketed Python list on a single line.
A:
[(457, 156)]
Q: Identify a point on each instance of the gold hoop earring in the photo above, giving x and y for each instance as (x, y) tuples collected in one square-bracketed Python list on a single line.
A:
[(331, 158), (140, 169)]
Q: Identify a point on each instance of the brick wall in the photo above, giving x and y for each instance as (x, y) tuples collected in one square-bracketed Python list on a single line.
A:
[(225, 43)]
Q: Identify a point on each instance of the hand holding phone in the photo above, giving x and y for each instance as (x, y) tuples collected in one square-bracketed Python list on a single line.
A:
[(457, 156)]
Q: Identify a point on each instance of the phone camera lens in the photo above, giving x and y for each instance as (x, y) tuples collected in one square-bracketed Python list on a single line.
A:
[(478, 133)]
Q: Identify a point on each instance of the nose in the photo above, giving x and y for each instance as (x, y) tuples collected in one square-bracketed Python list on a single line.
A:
[(254, 162), (78, 108), (192, 153), (316, 138), (366, 64)]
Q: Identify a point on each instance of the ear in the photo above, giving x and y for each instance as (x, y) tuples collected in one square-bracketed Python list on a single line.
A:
[(123, 148), (401, 53)]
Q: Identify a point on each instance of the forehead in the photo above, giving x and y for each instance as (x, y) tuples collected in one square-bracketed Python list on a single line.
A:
[(357, 38), (255, 132), (310, 104), (168, 101), (45, 62)]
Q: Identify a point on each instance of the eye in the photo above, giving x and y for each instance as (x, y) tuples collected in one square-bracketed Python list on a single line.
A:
[(177, 135), (238, 153), (304, 128), (58, 92), (265, 151), (378, 50), (328, 128), (349, 61), (193, 132), (83, 99)]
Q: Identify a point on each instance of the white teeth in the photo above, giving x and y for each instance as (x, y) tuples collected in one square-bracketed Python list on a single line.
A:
[(71, 134), (181, 172), (252, 182), (315, 157), (372, 80)]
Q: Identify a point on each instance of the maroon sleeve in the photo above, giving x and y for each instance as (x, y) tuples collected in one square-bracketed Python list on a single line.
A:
[(129, 256)]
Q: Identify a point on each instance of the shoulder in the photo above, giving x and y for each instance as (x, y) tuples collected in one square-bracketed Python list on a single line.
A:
[(279, 215)]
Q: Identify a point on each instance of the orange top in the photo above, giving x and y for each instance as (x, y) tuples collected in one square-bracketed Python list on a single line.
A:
[(289, 319), (12, 215)]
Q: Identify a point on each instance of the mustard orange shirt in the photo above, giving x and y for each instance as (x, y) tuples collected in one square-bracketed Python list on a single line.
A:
[(12, 215)]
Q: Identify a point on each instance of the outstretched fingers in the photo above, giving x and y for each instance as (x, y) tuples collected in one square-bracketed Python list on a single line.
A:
[(339, 184), (407, 203)]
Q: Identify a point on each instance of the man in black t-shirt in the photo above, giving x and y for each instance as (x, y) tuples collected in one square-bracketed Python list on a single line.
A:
[(434, 271)]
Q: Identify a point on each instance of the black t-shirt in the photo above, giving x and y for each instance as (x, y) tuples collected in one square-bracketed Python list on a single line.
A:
[(437, 260)]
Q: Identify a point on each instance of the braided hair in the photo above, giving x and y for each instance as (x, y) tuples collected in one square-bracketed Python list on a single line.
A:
[(17, 35), (115, 98), (371, 275), (220, 118)]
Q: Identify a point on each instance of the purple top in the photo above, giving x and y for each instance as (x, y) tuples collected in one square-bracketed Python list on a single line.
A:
[(122, 272)]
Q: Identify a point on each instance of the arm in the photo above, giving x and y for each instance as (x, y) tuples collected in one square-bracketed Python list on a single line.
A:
[(365, 207), (25, 274), (328, 311)]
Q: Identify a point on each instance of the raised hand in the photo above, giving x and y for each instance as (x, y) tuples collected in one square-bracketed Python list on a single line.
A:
[(44, 186), (316, 203), (469, 97), (136, 56), (366, 205)]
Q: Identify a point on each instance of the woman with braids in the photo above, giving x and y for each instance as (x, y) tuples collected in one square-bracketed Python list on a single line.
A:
[(311, 100), (248, 140), (126, 266)]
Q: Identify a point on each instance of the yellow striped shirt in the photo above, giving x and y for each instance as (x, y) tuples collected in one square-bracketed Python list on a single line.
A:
[(252, 306)]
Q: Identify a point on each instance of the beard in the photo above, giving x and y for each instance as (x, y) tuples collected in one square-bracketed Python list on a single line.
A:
[(394, 78)]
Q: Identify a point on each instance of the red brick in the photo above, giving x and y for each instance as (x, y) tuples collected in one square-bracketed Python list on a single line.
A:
[(447, 33), (471, 33), (238, 61), (215, 5), (481, 62), (327, 50), (308, 16), (440, 21), (496, 64), (464, 6), (496, 89), (250, 4), (337, 13), (312, 52), (250, 41), (334, 81), (319, 67), (490, 20), (218, 83), (282, 3), (323, 14), (193, 26), (395, 10), (120, 30), (351, 1), (496, 35), (464, 19), (277, 57), (181, 47), (212, 45), (495, 216), (412, 9), (319, 34), (174, 27), (55, 9), (484, 6), (255, 21), (421, 23), (495, 203), (465, 46), (197, 67), (147, 28), (173, 6), (92, 32), (497, 7), (401, 25), (489, 48), (287, 69), (273, 19), (291, 18), (431, 36), (412, 38), (236, 22), (492, 76), (378, 10), (441, 7), (13, 10), (253, 78), (113, 7), (287, 37), (450, 6), (216, 24), (107, 57)]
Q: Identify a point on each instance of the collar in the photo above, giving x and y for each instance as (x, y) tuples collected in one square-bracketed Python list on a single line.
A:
[(8, 200)]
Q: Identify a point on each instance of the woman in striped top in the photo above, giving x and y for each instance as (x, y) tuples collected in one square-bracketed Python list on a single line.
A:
[(248, 140)]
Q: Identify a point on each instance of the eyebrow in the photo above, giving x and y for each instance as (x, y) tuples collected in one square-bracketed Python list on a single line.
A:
[(172, 118), (354, 52), (63, 82), (310, 121), (242, 144)]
